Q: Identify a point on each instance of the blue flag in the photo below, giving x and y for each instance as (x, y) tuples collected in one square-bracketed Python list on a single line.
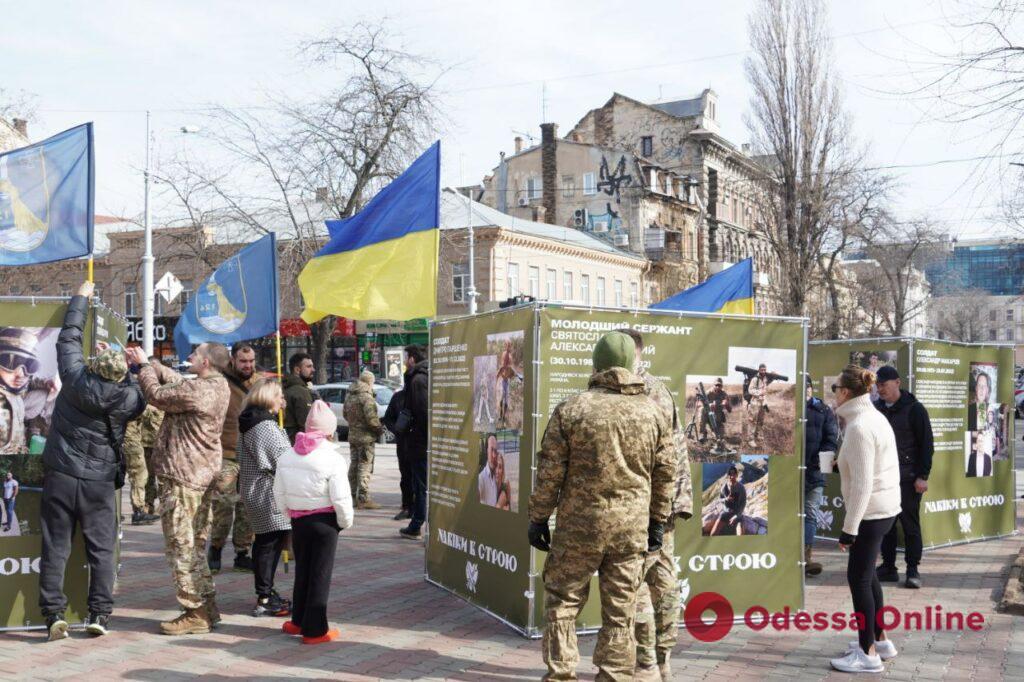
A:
[(46, 199), (236, 303), (729, 291)]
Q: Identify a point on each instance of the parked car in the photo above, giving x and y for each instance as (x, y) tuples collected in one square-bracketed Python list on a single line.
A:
[(334, 395)]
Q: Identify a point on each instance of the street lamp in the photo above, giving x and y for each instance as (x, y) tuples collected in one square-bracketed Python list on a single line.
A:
[(147, 254)]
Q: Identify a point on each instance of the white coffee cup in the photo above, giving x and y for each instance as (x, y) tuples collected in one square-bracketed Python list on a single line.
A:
[(826, 461)]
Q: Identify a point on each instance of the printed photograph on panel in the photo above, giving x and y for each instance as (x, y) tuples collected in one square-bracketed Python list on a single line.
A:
[(713, 410), (735, 497), (873, 360), (507, 380), (498, 478), (986, 430), (485, 398), (768, 413), (28, 387)]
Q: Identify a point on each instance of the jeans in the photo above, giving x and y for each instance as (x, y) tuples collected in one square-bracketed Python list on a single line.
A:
[(69, 502), (9, 510), (910, 518), (812, 503), (266, 552), (419, 492), (863, 580), (315, 540)]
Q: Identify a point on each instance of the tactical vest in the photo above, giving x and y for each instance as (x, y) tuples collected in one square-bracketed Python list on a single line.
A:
[(906, 444)]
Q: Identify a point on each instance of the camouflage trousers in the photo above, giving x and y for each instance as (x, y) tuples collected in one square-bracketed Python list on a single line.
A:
[(223, 511), (755, 418), (657, 605), (567, 574), (359, 470), (179, 515), (138, 473)]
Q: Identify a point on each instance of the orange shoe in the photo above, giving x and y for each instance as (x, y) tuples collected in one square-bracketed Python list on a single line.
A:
[(323, 639), (290, 628)]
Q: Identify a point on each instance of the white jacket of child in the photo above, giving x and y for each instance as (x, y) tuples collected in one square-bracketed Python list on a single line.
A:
[(869, 465), (316, 479)]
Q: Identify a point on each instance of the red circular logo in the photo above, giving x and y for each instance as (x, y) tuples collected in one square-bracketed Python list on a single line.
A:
[(719, 627)]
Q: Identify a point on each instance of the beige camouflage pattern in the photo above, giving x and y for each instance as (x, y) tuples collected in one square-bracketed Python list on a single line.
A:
[(179, 510), (657, 605), (12, 424), (223, 512), (139, 436), (360, 412), (187, 449), (360, 468), (567, 574), (682, 497), (755, 408), (610, 442), (109, 364)]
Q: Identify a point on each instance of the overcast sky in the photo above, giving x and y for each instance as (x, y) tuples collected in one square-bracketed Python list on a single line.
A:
[(109, 61)]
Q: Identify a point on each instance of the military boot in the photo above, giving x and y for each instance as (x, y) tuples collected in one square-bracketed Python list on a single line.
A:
[(810, 567), (369, 504), (213, 612), (243, 562), (141, 518), (213, 558), (191, 622)]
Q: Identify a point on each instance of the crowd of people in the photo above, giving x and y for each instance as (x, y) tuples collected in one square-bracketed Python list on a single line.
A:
[(208, 456)]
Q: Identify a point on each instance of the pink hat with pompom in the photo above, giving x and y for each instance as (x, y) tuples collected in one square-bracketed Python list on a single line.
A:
[(321, 419)]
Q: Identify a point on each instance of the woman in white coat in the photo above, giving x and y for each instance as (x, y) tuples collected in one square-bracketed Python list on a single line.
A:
[(870, 481), (311, 486)]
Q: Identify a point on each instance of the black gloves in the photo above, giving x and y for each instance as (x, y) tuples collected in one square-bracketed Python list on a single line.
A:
[(847, 539), (540, 535), (655, 536)]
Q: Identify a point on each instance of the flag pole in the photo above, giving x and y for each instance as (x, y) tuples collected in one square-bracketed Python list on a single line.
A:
[(88, 275), (280, 372)]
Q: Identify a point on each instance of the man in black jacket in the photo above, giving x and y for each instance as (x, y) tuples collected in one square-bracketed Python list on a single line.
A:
[(821, 434), (417, 401), (914, 442), (82, 457), (391, 422)]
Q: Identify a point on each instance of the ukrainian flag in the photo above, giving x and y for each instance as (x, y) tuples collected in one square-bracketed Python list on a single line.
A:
[(381, 264), (730, 291)]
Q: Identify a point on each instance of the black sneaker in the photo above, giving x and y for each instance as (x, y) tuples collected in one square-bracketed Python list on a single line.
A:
[(402, 515), (913, 578), (274, 605), (141, 518), (56, 627), (213, 558), (243, 562), (96, 624), (410, 533), (887, 574)]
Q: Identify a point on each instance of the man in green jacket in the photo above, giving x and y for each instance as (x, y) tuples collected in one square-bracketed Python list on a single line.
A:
[(364, 428), (298, 393)]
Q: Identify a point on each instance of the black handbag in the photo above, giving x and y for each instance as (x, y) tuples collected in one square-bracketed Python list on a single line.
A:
[(403, 423)]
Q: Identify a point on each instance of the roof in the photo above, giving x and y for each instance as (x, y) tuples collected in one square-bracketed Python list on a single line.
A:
[(683, 108), (456, 215)]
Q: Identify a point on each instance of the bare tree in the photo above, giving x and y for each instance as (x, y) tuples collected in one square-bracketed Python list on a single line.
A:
[(959, 316), (289, 167), (811, 191)]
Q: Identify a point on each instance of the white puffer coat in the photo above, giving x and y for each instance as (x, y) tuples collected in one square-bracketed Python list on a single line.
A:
[(314, 478)]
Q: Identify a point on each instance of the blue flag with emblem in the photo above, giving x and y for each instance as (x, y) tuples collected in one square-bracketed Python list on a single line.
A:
[(236, 303), (46, 199)]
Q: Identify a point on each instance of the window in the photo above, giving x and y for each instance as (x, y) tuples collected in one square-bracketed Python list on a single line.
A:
[(552, 285), (460, 282), (992, 335), (992, 316), (65, 289), (568, 186), (618, 293), (589, 184), (646, 145), (513, 279), (159, 304), (600, 291), (15, 291), (533, 188), (634, 295), (535, 282), (567, 286), (1009, 314), (186, 294), (129, 304), (693, 245), (585, 289)]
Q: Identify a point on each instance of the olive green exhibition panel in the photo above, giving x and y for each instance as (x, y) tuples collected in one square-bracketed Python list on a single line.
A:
[(968, 391), (37, 324), (495, 379)]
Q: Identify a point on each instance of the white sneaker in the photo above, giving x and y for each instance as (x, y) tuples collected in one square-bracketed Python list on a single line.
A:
[(858, 662), (883, 647)]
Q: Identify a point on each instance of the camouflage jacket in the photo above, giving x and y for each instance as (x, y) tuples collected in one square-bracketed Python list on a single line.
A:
[(141, 433), (12, 424), (607, 463), (682, 499), (361, 414), (187, 448)]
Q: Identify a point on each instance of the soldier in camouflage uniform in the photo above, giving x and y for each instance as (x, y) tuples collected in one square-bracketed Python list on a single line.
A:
[(757, 405), (18, 363), (138, 452), (364, 428), (607, 463), (186, 457), (657, 605)]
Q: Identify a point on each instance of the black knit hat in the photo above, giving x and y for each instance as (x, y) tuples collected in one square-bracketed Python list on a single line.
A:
[(887, 373)]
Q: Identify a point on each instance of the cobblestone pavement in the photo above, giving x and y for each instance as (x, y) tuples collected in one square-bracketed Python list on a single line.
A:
[(396, 626)]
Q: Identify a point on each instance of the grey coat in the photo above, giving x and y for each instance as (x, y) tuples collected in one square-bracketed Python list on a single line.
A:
[(260, 445)]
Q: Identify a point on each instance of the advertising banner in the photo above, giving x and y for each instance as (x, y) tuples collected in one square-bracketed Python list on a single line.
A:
[(497, 377), (968, 392), (29, 383)]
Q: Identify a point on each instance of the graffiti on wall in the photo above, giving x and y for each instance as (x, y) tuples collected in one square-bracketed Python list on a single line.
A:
[(612, 182)]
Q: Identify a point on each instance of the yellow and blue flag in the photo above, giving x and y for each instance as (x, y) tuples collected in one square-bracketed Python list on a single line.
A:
[(46, 199), (729, 291), (381, 264), (237, 302)]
